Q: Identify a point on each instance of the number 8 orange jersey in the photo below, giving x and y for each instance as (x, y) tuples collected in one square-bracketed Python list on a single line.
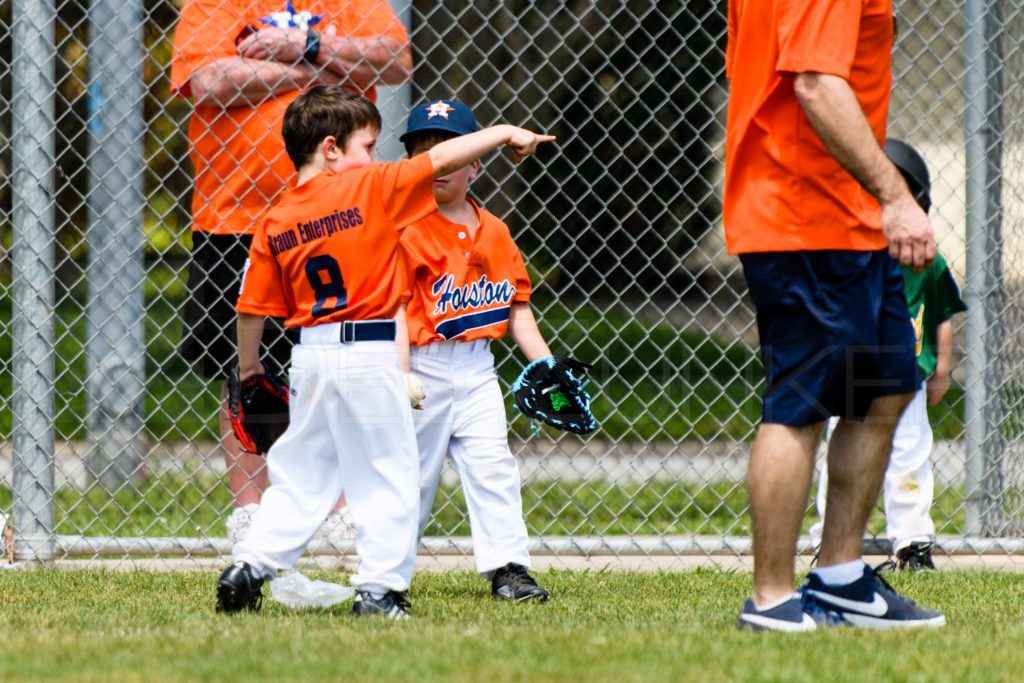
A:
[(327, 251)]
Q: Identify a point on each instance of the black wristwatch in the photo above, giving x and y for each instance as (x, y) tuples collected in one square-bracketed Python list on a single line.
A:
[(312, 50)]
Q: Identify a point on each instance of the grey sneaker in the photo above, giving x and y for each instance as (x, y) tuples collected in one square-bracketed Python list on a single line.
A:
[(513, 582), (239, 588), (392, 605)]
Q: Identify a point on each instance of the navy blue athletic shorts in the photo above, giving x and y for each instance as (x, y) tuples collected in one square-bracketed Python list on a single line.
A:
[(209, 320), (835, 332)]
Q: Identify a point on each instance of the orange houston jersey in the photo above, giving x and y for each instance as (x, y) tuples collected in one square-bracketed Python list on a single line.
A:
[(461, 287), (328, 251), (237, 152)]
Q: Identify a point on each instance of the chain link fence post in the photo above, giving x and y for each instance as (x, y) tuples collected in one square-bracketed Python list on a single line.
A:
[(32, 281), (116, 362), (984, 441)]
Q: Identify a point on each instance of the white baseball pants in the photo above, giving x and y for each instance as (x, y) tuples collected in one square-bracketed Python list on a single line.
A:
[(464, 414), (908, 487), (351, 429)]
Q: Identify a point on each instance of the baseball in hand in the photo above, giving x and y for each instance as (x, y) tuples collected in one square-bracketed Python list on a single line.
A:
[(414, 385)]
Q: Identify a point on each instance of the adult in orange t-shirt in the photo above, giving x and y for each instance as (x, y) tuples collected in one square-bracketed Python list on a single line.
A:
[(243, 62), (818, 215)]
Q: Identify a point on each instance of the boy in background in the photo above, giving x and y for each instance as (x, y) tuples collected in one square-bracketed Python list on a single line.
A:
[(469, 285), (326, 259), (933, 298)]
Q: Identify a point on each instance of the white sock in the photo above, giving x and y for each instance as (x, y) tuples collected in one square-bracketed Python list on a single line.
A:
[(773, 605), (841, 574)]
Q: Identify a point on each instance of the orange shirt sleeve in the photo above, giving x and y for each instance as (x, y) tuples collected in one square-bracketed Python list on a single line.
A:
[(818, 35), (409, 196), (206, 32), (523, 286), (375, 18), (262, 291)]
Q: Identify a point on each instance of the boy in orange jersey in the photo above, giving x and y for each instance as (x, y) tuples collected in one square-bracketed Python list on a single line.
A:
[(326, 259), (468, 286)]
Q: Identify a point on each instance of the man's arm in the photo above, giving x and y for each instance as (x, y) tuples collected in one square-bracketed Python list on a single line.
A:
[(240, 81), (938, 383), (250, 332), (522, 327), (834, 112), (363, 61), (367, 61)]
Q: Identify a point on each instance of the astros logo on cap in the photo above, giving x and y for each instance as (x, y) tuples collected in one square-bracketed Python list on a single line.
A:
[(439, 108)]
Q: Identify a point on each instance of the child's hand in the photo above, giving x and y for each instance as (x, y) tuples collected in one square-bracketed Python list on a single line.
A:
[(523, 142), (936, 387)]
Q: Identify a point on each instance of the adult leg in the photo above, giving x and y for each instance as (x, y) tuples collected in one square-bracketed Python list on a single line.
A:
[(247, 472), (857, 458), (779, 480), (819, 497)]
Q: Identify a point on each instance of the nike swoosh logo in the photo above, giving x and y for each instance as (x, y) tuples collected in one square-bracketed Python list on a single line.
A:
[(876, 608), (806, 624)]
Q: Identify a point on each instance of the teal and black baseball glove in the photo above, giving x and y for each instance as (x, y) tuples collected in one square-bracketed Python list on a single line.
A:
[(551, 390)]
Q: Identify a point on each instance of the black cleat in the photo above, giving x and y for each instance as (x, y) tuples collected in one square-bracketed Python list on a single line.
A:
[(915, 557), (513, 582), (392, 605), (239, 588)]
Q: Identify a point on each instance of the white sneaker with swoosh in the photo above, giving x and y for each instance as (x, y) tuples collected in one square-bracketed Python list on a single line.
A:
[(870, 602)]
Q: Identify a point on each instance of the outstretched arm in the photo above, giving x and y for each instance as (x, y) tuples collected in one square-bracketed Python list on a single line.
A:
[(451, 155), (833, 110), (522, 327)]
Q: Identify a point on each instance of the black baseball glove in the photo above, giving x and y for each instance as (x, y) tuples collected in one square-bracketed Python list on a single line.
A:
[(259, 410), (551, 390)]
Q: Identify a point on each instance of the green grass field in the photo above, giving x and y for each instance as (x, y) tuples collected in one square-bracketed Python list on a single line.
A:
[(93, 625), (182, 506)]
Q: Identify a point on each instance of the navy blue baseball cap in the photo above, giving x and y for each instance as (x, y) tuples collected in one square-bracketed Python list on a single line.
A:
[(446, 115)]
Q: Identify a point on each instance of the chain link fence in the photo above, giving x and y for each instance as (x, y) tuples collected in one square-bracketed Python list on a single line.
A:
[(110, 439)]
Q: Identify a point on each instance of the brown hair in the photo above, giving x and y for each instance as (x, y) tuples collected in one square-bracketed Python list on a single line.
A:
[(321, 111)]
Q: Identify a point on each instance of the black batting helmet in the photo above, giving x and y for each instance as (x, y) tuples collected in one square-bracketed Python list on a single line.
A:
[(914, 170)]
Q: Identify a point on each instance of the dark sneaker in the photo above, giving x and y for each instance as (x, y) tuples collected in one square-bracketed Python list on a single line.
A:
[(513, 582), (392, 605), (915, 557), (239, 588), (870, 601), (796, 614)]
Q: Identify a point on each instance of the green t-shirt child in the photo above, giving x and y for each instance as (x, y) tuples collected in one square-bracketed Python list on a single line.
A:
[(933, 298)]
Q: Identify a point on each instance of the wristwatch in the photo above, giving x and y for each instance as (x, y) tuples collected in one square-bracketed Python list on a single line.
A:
[(312, 50)]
